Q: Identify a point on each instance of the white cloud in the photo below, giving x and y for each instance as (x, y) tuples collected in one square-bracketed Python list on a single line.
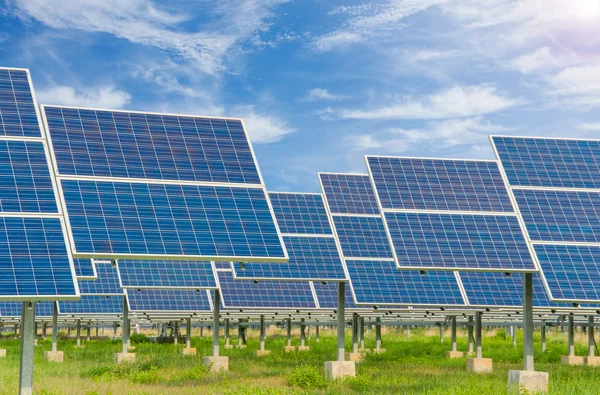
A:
[(369, 20), (98, 97), (426, 55), (578, 85), (459, 101), (262, 128), (592, 127), (317, 94)]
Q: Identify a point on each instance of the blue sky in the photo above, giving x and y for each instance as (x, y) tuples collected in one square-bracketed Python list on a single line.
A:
[(322, 83)]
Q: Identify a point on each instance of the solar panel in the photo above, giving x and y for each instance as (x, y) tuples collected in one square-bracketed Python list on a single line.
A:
[(106, 284), (13, 309), (169, 300), (374, 279), (142, 185), (93, 305), (443, 214), (309, 240), (327, 296), (166, 274), (555, 184), (84, 269), (268, 294), (34, 261)]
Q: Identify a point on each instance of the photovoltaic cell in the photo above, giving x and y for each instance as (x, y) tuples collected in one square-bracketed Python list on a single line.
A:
[(488, 242), (107, 282), (300, 213), (93, 305), (362, 237), (18, 117), (122, 218), (84, 268), (437, 184), (168, 300), (150, 146), (349, 193), (269, 294), (14, 309), (166, 274), (327, 295)]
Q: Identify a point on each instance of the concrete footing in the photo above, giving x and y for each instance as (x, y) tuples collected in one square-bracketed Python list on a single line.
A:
[(303, 348), (338, 369), (262, 353), (121, 357), (572, 360), (35, 342), (592, 361), (289, 348), (216, 364), (455, 354), (479, 365), (364, 350), (529, 382), (378, 350), (2, 352), (354, 356), (54, 356), (229, 346), (241, 346), (188, 351)]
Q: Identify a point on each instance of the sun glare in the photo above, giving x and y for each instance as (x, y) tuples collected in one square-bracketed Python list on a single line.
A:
[(587, 8)]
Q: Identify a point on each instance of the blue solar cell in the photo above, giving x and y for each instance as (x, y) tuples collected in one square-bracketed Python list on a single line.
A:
[(327, 295), (300, 213), (33, 258), (25, 183), (458, 241), (311, 258), (168, 300), (223, 265), (166, 274), (121, 218), (14, 309), (439, 184), (380, 282), (264, 294), (349, 193), (547, 162), (106, 284), (93, 304), (571, 271), (362, 237), (150, 146), (560, 215), (84, 268), (18, 117)]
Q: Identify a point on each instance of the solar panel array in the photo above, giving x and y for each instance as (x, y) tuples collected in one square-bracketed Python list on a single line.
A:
[(309, 240), (442, 214), (34, 261), (556, 184), (93, 305), (107, 282), (13, 309), (142, 185), (85, 269), (168, 300), (374, 278), (166, 274)]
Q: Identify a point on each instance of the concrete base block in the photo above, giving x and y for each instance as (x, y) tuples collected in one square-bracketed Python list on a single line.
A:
[(262, 353), (188, 351), (289, 348), (455, 354), (131, 347), (363, 350), (479, 365), (529, 382), (241, 346), (571, 360), (35, 342), (303, 348), (2, 352), (338, 369), (589, 361), (378, 350), (229, 346), (122, 357), (54, 356), (354, 356), (217, 364)]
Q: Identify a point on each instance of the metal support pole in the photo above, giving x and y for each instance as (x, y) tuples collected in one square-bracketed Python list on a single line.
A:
[(78, 333), (362, 333), (591, 343), (44, 327), (115, 327), (227, 332), (188, 332), (55, 326), (27, 340), (176, 333), (514, 336), (239, 331), (571, 336), (355, 333), (378, 333), (289, 332), (341, 324), (302, 336), (216, 316), (89, 331), (543, 336), (262, 333), (527, 322), (470, 339), (317, 332), (454, 333), (478, 335), (308, 332), (125, 327), (441, 333)]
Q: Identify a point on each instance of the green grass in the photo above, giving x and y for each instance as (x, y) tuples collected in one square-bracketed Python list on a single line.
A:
[(411, 365)]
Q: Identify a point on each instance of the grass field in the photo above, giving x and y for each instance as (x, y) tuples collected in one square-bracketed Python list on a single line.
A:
[(411, 365)]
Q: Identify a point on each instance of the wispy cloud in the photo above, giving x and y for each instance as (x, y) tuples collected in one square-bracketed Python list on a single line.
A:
[(320, 94), (263, 129), (592, 127), (424, 55), (98, 97), (459, 101)]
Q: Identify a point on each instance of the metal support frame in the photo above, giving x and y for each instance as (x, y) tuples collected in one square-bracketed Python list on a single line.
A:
[(262, 333), (361, 333), (317, 332), (354, 333), (478, 335), (176, 333), (78, 333), (571, 335), (591, 343), (125, 327), (454, 333), (470, 339), (54, 326), (302, 335), (27, 348), (216, 316), (188, 332), (442, 333), (543, 330), (528, 364), (226, 330), (378, 333), (289, 332), (341, 325)]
